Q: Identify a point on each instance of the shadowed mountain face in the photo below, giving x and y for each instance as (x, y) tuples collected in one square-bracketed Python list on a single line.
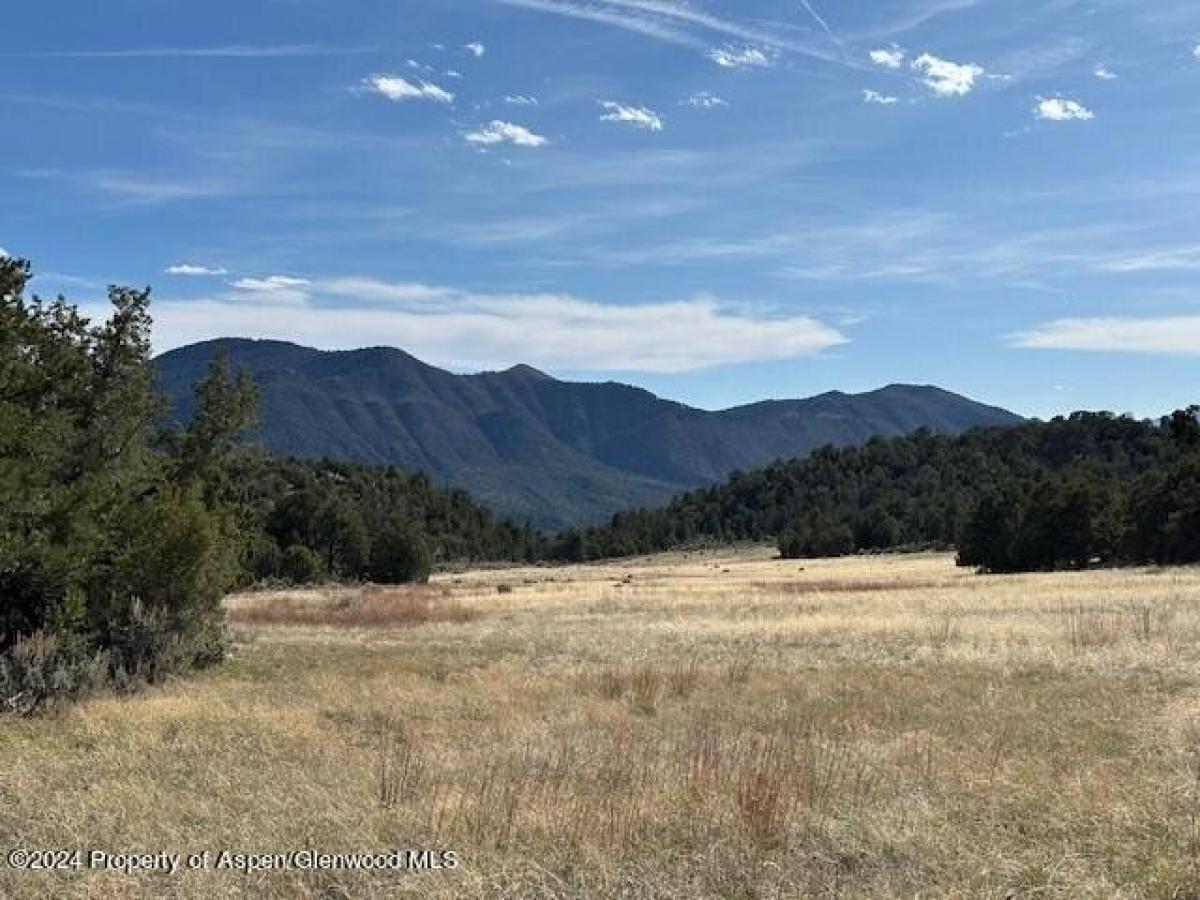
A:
[(554, 452)]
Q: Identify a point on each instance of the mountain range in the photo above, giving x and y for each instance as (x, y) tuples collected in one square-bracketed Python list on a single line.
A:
[(554, 453)]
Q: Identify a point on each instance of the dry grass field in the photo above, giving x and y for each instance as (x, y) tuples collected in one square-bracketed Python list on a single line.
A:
[(721, 725)]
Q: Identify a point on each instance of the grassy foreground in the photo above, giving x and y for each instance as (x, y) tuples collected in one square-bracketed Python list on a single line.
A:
[(683, 726)]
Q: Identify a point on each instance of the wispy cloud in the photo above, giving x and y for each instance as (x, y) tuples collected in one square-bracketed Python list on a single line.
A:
[(1061, 109), (1105, 74), (521, 100), (400, 89), (188, 269), (686, 25), (1169, 259), (946, 78), (740, 57), (1040, 59), (231, 51), (654, 28), (704, 100), (499, 132), (138, 189), (870, 96), (638, 116), (464, 329), (823, 24), (1177, 335), (917, 14), (278, 290), (475, 48)]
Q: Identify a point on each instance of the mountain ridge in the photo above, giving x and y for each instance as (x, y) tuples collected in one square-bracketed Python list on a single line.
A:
[(556, 453)]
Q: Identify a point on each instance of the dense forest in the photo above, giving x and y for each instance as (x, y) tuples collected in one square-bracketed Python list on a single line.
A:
[(1093, 488), (315, 520)]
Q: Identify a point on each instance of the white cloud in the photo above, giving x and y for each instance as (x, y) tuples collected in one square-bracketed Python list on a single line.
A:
[(1060, 109), (274, 290), (189, 269), (638, 116), (870, 96), (399, 89), (498, 132), (521, 100), (1196, 51), (475, 48), (704, 100), (889, 59), (449, 327), (1105, 74), (738, 58), (1167, 335), (453, 73), (946, 78), (4, 254)]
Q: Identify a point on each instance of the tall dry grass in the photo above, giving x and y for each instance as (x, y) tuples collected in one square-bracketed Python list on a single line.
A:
[(369, 607), (697, 725)]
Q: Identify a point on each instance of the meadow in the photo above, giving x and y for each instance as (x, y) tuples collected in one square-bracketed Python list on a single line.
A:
[(721, 724)]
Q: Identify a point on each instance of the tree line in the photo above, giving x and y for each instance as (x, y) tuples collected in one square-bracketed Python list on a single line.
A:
[(1087, 489)]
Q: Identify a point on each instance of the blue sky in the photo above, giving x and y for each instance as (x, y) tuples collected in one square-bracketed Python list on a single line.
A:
[(721, 202)]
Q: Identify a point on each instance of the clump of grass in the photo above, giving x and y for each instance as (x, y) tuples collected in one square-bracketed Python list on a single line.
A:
[(944, 629), (738, 670), (1108, 625), (401, 766), (402, 607), (646, 683)]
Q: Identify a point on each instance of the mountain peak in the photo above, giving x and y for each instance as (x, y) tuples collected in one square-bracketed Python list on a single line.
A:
[(556, 453), (521, 370)]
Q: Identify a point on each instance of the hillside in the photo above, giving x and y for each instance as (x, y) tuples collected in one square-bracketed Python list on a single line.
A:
[(551, 452), (1116, 486)]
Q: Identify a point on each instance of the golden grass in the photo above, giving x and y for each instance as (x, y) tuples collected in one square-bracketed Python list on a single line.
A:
[(368, 607), (703, 725)]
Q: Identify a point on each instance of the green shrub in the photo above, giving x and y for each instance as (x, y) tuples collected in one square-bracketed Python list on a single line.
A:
[(818, 540), (301, 565), (263, 559), (399, 556)]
